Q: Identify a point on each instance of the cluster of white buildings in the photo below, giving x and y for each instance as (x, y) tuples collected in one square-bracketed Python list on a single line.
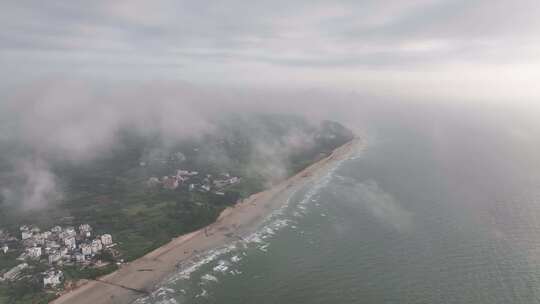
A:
[(61, 245), (57, 246), (52, 278), (218, 183), (225, 180), (205, 184), (172, 182)]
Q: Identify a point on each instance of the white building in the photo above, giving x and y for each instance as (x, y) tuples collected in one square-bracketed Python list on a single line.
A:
[(220, 183), (96, 246), (46, 234), (106, 239), (70, 231), (56, 229), (54, 256), (179, 173), (70, 242), (34, 252), (4, 249), (86, 249), (52, 278), (26, 234), (38, 239), (84, 228), (79, 257), (52, 244)]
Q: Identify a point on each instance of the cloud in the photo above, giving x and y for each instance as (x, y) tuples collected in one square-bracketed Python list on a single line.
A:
[(36, 187), (399, 45), (79, 120), (73, 73)]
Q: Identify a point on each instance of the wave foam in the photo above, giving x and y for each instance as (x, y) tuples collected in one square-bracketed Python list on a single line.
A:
[(274, 222)]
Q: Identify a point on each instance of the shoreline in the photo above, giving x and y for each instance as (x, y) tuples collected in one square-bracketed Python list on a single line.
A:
[(141, 276)]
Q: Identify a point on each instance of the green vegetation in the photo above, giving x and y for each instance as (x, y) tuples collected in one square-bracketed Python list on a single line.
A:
[(24, 291), (76, 273), (8, 260), (111, 193)]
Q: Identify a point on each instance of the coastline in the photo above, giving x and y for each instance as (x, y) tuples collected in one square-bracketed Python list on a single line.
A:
[(142, 275)]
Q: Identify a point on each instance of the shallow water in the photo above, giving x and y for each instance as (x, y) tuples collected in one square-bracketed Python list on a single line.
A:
[(438, 211)]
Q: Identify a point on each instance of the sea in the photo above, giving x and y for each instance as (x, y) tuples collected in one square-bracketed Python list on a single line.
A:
[(442, 205)]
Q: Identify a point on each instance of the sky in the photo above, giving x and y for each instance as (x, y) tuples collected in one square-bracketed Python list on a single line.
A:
[(75, 72), (480, 50)]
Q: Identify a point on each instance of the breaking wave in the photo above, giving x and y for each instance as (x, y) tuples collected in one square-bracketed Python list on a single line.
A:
[(206, 269)]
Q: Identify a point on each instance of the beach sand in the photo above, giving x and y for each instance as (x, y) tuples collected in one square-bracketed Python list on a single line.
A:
[(140, 277)]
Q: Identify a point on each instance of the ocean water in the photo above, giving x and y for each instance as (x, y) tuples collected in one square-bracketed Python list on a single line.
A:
[(439, 208)]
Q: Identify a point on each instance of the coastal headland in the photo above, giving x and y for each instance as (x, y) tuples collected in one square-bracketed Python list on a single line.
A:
[(141, 276)]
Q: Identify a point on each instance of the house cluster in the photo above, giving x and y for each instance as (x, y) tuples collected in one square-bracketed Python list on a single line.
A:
[(172, 182), (52, 278), (224, 180), (63, 245), (206, 184), (216, 184), (57, 246), (182, 176)]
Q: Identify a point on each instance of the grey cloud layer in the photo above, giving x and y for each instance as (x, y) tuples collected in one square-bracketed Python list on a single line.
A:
[(318, 33), (123, 60)]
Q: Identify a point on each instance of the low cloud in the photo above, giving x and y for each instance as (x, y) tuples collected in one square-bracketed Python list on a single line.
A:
[(414, 48), (35, 185), (79, 120)]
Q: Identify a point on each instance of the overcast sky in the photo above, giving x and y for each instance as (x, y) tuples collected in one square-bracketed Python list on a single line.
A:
[(73, 73), (448, 49)]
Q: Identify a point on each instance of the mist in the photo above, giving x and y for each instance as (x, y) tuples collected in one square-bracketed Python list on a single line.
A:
[(79, 120), (76, 74)]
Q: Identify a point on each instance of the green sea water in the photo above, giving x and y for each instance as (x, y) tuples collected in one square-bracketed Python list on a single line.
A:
[(442, 210)]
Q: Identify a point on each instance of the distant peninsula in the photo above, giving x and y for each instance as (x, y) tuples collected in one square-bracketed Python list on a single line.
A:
[(147, 190)]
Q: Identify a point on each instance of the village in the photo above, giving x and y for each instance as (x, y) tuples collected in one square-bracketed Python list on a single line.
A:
[(196, 183), (56, 247), (68, 246)]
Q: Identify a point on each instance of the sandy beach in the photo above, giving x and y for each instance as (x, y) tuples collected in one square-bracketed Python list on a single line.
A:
[(137, 278)]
